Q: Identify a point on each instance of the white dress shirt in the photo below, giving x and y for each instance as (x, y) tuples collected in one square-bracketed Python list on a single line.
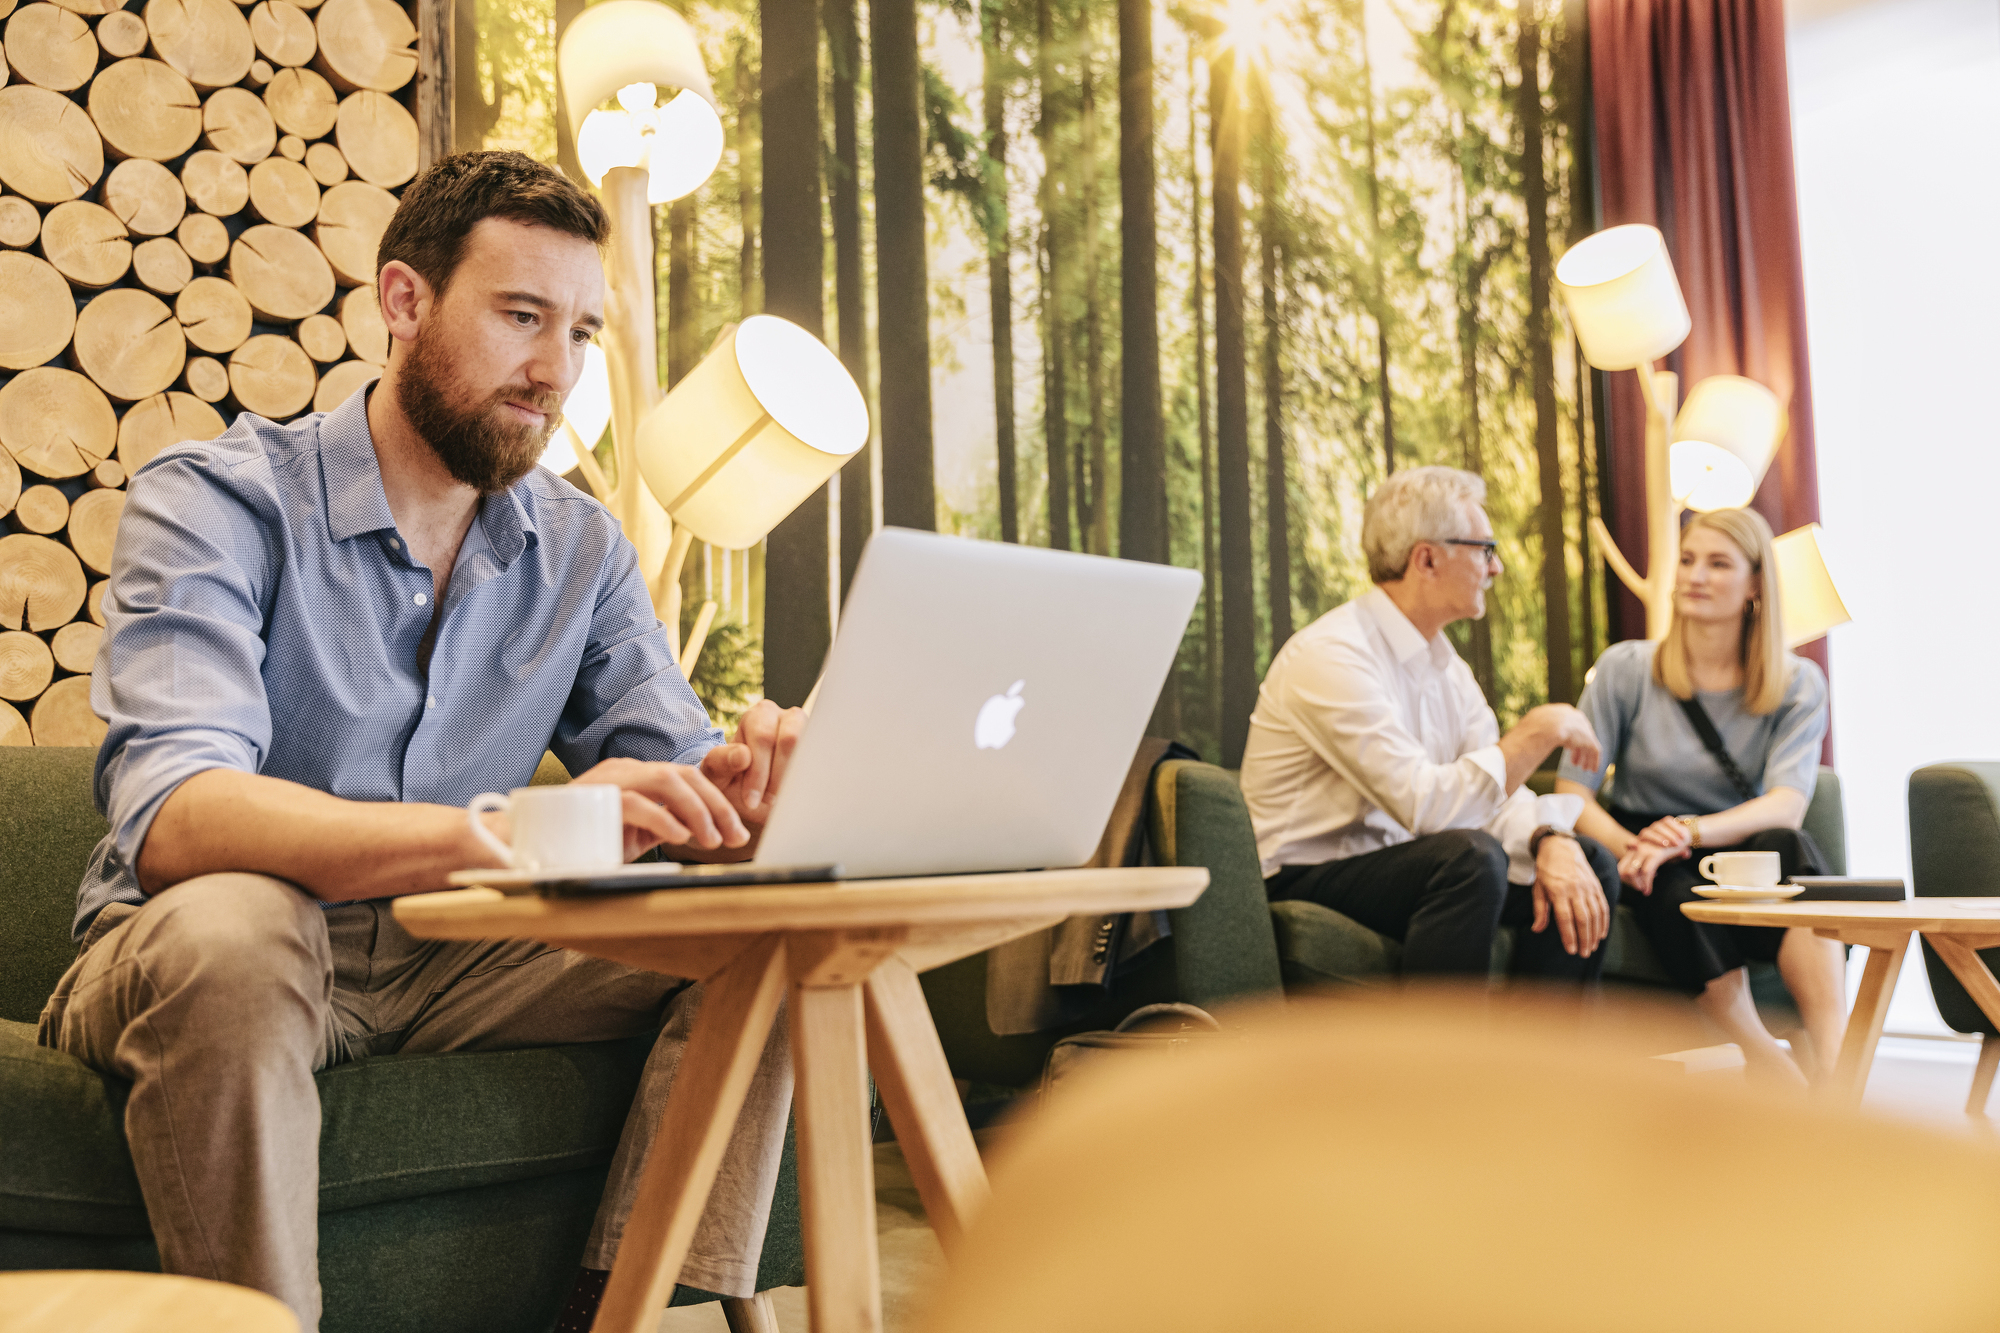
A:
[(1367, 735)]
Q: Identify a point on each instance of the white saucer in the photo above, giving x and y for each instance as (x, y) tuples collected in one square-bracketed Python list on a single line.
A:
[(519, 881), (1744, 893)]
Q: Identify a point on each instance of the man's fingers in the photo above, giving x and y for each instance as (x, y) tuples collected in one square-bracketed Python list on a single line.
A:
[(759, 731), (791, 726), (1541, 921), (1565, 924), (641, 813)]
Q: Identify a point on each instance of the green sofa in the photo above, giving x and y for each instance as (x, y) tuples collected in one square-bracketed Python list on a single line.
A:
[(1232, 943), (455, 1190)]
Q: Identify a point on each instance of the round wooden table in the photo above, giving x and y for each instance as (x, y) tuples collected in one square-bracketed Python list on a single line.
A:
[(82, 1301), (1956, 927), (843, 958)]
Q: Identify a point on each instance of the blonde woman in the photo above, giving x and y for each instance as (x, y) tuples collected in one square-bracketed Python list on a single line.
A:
[(1675, 798)]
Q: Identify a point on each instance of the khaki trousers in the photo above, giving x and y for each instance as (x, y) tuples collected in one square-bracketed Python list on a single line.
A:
[(220, 997)]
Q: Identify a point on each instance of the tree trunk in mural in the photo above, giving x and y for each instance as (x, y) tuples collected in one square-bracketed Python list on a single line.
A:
[(1232, 414), (1142, 467), (1379, 310), (902, 270), (1055, 389), (797, 618), (1572, 93), (1277, 526), (566, 159), (1541, 362), (683, 304), (1469, 266), (1099, 523), (472, 115), (999, 259), (1211, 572), (857, 483), (748, 131)]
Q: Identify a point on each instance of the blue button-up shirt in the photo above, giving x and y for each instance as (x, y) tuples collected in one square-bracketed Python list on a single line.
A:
[(264, 615)]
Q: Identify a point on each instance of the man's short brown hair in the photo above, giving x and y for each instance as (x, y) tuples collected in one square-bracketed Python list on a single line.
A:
[(441, 207)]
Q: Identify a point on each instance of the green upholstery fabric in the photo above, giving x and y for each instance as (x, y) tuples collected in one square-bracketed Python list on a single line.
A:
[(1318, 946), (455, 1190), (1955, 853), (48, 826)]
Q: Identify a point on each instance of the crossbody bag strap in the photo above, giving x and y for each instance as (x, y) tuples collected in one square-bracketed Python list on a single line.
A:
[(1712, 740)]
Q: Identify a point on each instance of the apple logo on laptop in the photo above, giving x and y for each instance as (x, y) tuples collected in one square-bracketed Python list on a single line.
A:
[(994, 726)]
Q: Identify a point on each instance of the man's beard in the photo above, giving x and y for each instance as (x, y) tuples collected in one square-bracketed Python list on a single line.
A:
[(483, 446)]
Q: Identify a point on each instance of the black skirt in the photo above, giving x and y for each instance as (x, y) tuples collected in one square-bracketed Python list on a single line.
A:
[(1694, 953)]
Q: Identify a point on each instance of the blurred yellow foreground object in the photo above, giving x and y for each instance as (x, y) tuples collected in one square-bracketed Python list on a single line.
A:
[(1434, 1164)]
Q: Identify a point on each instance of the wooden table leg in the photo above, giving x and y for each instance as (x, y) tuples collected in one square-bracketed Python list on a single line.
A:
[(923, 1105), (836, 1160), (738, 1007), (1972, 973), (1864, 1025)]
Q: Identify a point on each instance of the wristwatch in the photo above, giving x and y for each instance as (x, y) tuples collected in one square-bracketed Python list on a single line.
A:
[(1693, 825), (1546, 831)]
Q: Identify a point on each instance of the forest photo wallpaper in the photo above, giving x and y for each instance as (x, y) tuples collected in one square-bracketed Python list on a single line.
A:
[(1177, 281)]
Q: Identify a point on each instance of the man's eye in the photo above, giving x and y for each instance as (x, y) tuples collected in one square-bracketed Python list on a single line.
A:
[(579, 336), (524, 317)]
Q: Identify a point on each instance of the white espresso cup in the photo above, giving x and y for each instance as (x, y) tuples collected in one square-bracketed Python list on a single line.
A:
[(1749, 870), (580, 826)]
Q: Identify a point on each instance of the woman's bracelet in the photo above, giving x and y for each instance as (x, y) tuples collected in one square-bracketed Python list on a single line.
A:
[(1693, 825)]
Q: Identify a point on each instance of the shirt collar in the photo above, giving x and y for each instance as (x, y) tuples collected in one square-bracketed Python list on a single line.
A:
[(356, 502), (1403, 638)]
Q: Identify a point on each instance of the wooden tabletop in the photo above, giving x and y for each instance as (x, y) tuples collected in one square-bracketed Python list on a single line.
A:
[(1928, 915), (90, 1302), (481, 913)]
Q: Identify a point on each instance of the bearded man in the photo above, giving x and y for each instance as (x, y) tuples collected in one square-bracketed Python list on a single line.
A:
[(323, 639)]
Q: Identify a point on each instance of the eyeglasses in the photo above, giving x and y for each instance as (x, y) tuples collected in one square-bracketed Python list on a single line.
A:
[(1487, 550)]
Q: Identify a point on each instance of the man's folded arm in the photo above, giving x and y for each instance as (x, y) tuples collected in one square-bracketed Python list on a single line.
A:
[(1343, 711)]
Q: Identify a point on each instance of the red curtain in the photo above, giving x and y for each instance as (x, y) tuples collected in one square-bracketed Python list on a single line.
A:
[(1694, 135)]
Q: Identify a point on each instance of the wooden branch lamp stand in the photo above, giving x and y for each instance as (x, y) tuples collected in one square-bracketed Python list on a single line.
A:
[(1661, 390)]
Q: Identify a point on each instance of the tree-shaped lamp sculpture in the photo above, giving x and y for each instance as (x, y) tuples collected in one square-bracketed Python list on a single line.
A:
[(1626, 307), (640, 154)]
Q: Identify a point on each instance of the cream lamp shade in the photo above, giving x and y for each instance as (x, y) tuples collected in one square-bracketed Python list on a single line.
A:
[(1624, 301), (631, 49), (765, 418), (1724, 439), (586, 413), (1807, 599)]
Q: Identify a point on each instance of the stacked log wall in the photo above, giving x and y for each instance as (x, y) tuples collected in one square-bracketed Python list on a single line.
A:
[(191, 194)]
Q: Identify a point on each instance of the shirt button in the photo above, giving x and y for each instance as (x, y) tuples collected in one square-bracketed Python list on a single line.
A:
[(421, 599), (395, 545), (430, 701)]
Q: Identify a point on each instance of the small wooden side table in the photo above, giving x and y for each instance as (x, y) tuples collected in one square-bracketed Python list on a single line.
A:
[(844, 959), (83, 1301), (1956, 927)]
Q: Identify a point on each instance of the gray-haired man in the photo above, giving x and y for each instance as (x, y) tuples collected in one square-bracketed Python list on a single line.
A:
[(1377, 778)]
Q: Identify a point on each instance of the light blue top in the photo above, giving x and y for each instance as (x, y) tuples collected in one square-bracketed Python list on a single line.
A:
[(264, 615), (1663, 768)]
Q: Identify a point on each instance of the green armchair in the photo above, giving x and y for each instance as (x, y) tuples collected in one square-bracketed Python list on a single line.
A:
[(455, 1190), (1955, 853)]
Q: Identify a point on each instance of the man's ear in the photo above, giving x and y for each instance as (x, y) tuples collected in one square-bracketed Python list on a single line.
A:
[(1423, 559), (405, 298)]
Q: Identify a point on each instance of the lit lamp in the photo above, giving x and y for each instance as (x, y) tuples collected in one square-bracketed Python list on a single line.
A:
[(760, 424), (1723, 440), (1807, 600), (1626, 308), (641, 153)]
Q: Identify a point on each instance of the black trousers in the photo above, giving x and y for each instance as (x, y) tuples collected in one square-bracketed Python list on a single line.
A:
[(1445, 895), (1694, 953)]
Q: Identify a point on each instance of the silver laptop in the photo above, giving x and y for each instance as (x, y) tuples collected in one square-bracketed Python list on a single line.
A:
[(979, 710)]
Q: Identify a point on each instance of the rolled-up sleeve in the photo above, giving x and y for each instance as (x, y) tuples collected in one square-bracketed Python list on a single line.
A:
[(1344, 712), (631, 700), (179, 680)]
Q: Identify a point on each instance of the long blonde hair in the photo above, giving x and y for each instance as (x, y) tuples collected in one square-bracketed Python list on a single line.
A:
[(1766, 669)]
